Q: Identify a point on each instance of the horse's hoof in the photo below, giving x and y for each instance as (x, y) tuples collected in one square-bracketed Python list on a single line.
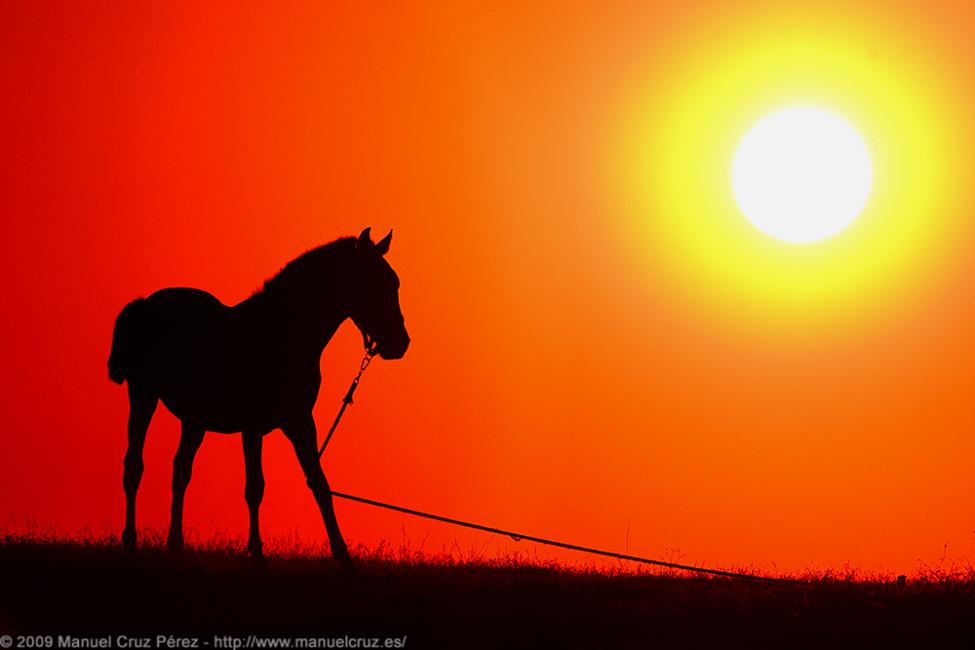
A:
[(258, 561), (128, 540), (175, 545), (348, 568)]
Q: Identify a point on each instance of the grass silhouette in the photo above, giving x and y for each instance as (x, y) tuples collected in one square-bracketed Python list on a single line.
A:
[(86, 584)]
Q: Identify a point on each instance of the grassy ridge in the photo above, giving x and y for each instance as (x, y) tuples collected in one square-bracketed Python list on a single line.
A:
[(92, 587)]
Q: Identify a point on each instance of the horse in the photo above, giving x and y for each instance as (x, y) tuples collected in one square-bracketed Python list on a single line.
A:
[(251, 368)]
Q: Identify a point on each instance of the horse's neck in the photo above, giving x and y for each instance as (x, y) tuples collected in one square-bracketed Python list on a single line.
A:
[(303, 304), (298, 323), (317, 333)]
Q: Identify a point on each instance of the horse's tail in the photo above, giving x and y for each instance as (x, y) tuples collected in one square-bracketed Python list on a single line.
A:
[(120, 359)]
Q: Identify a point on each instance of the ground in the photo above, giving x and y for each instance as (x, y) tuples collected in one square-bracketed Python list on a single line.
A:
[(94, 589)]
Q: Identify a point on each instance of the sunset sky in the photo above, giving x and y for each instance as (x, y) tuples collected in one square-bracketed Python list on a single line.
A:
[(604, 350)]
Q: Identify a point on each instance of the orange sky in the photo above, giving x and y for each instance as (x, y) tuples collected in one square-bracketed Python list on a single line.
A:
[(589, 360)]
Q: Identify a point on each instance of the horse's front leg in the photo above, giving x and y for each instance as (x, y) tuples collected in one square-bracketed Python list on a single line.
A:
[(303, 437), (189, 442), (254, 488)]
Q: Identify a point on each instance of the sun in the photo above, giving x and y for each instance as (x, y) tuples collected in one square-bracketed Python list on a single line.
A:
[(801, 175)]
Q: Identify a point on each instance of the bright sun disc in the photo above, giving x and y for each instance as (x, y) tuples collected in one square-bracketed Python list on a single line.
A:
[(801, 175)]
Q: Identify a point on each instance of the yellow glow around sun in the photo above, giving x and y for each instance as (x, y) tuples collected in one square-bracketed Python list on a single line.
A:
[(682, 128), (801, 175)]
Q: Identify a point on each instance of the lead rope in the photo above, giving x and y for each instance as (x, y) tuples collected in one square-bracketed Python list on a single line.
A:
[(366, 360)]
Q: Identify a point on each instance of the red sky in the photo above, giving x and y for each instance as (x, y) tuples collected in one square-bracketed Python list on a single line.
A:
[(574, 370)]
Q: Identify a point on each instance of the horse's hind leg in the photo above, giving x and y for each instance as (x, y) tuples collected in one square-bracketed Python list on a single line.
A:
[(189, 442), (142, 405), (254, 488)]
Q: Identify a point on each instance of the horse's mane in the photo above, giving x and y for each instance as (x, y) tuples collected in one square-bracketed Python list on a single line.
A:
[(308, 266)]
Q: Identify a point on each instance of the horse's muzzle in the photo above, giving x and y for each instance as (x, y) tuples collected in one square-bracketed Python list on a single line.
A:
[(394, 350)]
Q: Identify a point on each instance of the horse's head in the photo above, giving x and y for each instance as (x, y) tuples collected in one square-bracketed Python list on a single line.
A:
[(374, 305)]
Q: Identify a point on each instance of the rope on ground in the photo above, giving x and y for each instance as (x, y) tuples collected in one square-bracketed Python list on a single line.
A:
[(572, 547)]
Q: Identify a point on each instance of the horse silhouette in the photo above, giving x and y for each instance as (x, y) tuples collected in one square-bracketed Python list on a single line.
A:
[(251, 368)]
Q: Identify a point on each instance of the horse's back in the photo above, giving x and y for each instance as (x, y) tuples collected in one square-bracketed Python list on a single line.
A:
[(185, 298)]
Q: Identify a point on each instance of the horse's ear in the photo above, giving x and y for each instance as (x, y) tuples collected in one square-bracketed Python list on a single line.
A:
[(382, 246), (364, 239)]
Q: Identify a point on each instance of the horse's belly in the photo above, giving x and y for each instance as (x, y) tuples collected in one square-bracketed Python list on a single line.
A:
[(220, 402), (237, 399)]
